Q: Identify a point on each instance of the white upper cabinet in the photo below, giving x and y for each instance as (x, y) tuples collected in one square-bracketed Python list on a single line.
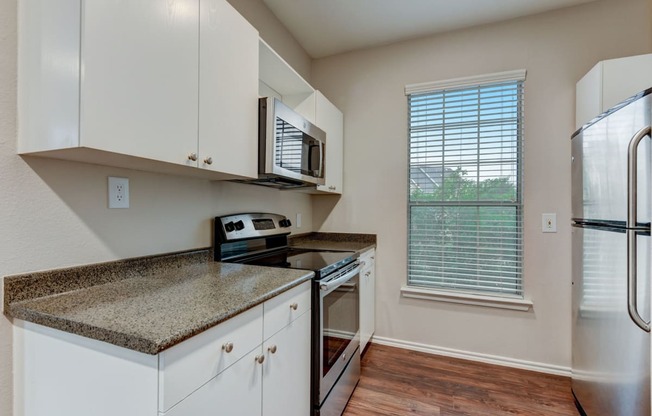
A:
[(278, 79), (228, 95), (610, 82), (331, 120), (139, 78), (118, 82)]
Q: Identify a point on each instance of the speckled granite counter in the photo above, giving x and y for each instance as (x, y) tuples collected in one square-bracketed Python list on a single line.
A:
[(334, 241), (145, 304)]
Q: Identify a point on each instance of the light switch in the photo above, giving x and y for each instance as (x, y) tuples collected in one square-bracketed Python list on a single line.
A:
[(549, 223)]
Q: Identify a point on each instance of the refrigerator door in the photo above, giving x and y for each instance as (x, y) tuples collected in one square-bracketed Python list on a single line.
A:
[(599, 166), (611, 355)]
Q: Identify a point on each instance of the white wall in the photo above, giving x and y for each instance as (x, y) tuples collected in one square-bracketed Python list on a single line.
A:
[(556, 48), (53, 213)]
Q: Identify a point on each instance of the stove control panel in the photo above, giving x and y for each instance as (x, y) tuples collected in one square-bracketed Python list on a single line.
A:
[(250, 225)]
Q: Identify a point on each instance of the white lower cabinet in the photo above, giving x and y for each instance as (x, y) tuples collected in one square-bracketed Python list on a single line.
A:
[(286, 386), (257, 363), (367, 297), (235, 392)]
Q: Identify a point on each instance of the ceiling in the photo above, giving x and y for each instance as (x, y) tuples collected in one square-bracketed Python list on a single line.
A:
[(328, 27)]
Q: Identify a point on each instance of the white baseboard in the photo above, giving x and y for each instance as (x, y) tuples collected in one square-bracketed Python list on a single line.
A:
[(474, 356)]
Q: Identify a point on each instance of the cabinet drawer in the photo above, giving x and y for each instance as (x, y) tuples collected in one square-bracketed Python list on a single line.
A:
[(190, 364), (285, 308)]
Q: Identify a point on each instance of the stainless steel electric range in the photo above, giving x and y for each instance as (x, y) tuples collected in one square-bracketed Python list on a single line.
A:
[(261, 239)]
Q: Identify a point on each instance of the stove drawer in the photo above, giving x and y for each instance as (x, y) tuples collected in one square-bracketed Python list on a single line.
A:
[(285, 308), (188, 365)]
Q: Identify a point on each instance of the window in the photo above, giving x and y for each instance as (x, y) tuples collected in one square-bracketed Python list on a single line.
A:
[(465, 198)]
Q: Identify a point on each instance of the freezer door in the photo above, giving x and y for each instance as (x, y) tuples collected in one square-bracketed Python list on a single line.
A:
[(599, 165), (611, 355)]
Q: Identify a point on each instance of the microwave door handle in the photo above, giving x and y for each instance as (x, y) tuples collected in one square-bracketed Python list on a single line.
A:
[(311, 165), (321, 160), (632, 201)]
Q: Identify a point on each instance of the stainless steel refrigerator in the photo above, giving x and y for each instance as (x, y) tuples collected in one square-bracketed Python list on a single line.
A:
[(611, 190)]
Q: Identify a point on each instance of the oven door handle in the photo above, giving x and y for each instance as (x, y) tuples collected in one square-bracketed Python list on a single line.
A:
[(333, 284)]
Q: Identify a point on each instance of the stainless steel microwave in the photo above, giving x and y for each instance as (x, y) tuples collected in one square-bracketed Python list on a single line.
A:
[(291, 149)]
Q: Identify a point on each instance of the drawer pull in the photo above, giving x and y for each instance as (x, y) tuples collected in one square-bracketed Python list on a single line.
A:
[(272, 349), (294, 306), (228, 347), (260, 359)]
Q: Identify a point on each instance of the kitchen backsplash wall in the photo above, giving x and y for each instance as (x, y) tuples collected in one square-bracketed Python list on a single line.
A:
[(54, 213)]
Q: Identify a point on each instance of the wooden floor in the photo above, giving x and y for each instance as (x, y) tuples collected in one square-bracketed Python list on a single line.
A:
[(400, 382)]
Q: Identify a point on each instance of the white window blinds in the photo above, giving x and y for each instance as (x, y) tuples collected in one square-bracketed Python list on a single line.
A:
[(465, 209)]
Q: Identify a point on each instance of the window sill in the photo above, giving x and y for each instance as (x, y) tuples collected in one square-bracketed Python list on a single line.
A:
[(514, 304)]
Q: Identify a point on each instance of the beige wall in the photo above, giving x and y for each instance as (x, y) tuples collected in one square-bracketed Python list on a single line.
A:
[(53, 213), (556, 48)]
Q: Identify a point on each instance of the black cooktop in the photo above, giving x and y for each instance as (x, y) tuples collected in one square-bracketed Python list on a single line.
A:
[(321, 262)]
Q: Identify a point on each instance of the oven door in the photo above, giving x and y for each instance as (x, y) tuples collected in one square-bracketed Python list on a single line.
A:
[(339, 334)]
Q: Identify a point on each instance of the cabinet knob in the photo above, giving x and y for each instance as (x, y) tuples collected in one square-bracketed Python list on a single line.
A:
[(272, 349), (367, 274), (294, 306), (228, 347), (192, 156), (208, 160), (260, 359), (343, 357), (332, 188)]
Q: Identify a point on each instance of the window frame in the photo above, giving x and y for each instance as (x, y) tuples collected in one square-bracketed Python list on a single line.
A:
[(514, 301)]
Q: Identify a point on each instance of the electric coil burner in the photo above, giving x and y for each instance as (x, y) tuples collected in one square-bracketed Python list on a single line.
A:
[(261, 239)]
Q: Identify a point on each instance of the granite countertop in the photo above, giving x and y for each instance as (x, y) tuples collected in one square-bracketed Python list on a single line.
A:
[(334, 241), (152, 305)]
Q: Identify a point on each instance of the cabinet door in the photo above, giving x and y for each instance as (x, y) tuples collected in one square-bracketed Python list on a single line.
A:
[(286, 371), (228, 111), (234, 392), (331, 120), (139, 82), (367, 299)]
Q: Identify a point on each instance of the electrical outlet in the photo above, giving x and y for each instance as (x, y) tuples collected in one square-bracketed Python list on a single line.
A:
[(549, 223), (118, 192), (297, 223)]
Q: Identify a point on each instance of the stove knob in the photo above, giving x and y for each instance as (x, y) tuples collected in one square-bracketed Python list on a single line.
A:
[(229, 227), (239, 225), (284, 223)]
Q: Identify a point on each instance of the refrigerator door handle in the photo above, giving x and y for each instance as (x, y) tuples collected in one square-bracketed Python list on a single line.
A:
[(632, 202)]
